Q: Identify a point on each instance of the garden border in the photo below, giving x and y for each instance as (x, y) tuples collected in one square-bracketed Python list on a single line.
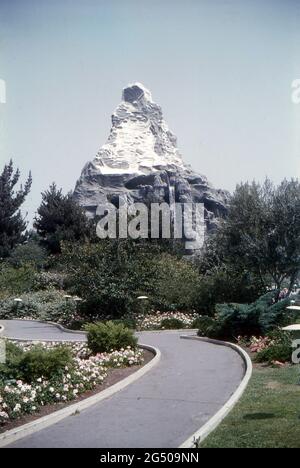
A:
[(8, 437), (209, 426)]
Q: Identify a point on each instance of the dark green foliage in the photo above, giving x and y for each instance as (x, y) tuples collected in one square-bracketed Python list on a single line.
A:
[(42, 362), (276, 315), (126, 322), (12, 224), (199, 322), (13, 356), (225, 285), (111, 274), (233, 320), (258, 244), (16, 280), (177, 283), (60, 219), (28, 253), (239, 319), (104, 337), (35, 363), (172, 324), (209, 327), (277, 352)]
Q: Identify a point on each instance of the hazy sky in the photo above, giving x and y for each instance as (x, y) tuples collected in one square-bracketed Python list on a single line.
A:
[(221, 70)]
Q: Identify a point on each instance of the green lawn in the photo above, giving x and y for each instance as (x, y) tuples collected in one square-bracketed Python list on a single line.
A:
[(267, 416)]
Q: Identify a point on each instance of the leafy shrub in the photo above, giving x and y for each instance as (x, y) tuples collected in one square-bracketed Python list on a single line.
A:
[(199, 321), (103, 337), (239, 319), (29, 253), (233, 320), (177, 284), (16, 280), (209, 327), (109, 276), (277, 352), (172, 324), (44, 362), (276, 315), (13, 356), (221, 287), (127, 322), (35, 363)]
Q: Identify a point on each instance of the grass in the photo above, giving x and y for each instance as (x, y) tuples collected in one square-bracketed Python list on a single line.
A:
[(267, 416)]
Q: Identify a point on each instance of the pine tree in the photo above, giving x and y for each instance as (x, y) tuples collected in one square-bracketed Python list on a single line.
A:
[(59, 219), (12, 224)]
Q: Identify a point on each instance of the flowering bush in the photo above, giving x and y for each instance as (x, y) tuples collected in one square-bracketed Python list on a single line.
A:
[(275, 348), (49, 280), (255, 344), (155, 320), (18, 398)]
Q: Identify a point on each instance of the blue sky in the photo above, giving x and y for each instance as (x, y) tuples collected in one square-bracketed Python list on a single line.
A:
[(221, 70)]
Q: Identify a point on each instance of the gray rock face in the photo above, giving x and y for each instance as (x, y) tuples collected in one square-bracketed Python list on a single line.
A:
[(141, 163)]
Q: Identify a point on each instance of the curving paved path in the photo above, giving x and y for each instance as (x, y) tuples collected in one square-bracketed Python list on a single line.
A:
[(28, 330), (162, 409)]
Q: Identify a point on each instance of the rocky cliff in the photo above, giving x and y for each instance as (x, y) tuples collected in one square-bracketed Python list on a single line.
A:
[(140, 162)]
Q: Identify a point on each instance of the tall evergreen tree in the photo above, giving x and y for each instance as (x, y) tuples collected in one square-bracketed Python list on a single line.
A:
[(59, 219), (12, 224)]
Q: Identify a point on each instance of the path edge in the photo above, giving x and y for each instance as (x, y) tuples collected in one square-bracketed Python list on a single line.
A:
[(11, 436), (199, 436)]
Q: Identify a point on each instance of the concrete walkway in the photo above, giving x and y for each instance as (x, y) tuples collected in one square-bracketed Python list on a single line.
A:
[(28, 330), (189, 385)]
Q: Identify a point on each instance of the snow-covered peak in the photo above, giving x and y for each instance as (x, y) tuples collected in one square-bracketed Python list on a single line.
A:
[(135, 92), (139, 139)]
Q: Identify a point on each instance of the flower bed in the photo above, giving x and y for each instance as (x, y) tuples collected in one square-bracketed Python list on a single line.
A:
[(154, 320), (18, 398), (256, 344), (273, 349)]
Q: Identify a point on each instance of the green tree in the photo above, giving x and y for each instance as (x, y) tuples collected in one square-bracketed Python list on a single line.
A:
[(60, 219), (12, 223), (261, 234), (111, 274)]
